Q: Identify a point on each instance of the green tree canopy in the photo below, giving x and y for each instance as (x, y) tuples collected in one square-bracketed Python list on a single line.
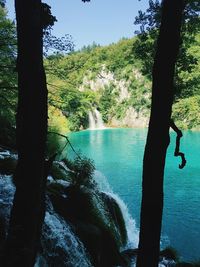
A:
[(145, 45)]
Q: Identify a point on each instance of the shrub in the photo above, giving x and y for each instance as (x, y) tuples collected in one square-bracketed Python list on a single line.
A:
[(82, 171), (57, 124), (186, 112)]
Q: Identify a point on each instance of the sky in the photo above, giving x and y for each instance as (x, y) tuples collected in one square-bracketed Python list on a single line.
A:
[(99, 21)]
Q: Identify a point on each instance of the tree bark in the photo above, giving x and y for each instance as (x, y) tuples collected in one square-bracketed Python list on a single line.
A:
[(158, 133), (25, 223)]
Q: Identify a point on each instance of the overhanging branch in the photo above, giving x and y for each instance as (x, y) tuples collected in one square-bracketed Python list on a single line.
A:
[(68, 142)]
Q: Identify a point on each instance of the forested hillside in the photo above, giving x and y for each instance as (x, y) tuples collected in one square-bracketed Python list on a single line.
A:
[(104, 78), (112, 80)]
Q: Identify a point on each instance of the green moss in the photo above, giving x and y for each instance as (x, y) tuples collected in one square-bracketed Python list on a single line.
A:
[(89, 213), (117, 223), (96, 216), (58, 172), (82, 170)]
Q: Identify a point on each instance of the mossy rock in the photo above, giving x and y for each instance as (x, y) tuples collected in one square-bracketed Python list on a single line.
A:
[(7, 166), (117, 218), (93, 222), (99, 209), (55, 188), (59, 172)]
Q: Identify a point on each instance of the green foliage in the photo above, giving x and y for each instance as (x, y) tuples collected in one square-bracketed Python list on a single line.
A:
[(186, 83), (67, 74), (190, 76), (57, 124), (186, 113), (82, 171), (107, 102), (8, 79), (90, 205), (80, 81), (91, 77), (59, 172), (99, 208)]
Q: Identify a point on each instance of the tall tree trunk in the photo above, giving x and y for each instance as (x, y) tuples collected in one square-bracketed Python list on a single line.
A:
[(158, 133), (25, 223)]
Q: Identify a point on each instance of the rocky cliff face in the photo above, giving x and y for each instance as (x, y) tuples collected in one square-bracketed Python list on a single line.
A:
[(131, 119), (128, 99)]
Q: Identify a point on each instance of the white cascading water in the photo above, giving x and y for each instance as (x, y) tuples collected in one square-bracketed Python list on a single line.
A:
[(95, 120), (91, 121), (60, 246), (99, 121), (132, 231)]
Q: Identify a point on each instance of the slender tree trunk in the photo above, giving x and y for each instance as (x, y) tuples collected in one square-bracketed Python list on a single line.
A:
[(158, 133), (25, 223)]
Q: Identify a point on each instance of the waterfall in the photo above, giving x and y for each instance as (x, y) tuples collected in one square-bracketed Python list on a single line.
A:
[(132, 231), (99, 121), (95, 120), (91, 121), (60, 246)]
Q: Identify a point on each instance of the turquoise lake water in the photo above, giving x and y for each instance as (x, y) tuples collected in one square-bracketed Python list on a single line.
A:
[(118, 154)]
